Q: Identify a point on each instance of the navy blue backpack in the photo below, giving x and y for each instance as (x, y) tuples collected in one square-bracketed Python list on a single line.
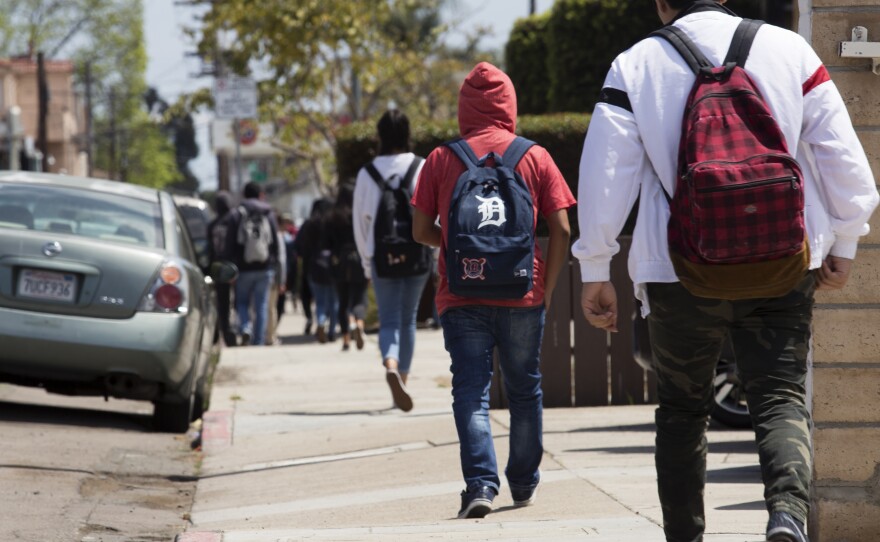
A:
[(490, 240)]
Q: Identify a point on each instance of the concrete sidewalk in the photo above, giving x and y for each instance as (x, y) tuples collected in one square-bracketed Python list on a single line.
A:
[(301, 444)]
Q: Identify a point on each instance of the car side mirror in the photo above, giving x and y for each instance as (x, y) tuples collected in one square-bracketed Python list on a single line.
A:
[(223, 272)]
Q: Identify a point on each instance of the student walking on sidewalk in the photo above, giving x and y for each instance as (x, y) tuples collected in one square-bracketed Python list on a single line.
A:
[(253, 239), (348, 271), (803, 150), (397, 265), (494, 285)]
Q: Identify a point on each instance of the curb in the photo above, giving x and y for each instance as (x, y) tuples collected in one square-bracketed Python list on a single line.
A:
[(216, 430)]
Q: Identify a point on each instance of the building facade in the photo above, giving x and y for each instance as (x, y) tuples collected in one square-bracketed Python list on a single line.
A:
[(19, 111), (846, 334)]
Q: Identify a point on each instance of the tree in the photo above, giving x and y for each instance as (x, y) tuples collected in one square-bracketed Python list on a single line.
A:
[(108, 36), (325, 63), (179, 127)]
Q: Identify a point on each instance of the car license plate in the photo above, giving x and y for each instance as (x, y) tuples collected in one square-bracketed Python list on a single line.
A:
[(39, 284)]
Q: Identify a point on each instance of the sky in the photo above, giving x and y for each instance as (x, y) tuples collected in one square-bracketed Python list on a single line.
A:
[(171, 71)]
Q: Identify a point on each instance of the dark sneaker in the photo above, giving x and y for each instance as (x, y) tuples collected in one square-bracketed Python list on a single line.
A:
[(321, 333), (523, 497), (476, 503), (245, 339), (359, 337), (782, 527)]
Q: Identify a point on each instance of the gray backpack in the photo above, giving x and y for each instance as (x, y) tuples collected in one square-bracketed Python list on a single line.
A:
[(254, 236)]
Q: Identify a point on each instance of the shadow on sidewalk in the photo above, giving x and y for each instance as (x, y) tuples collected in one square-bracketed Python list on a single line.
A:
[(73, 416), (639, 427), (723, 447), (297, 339)]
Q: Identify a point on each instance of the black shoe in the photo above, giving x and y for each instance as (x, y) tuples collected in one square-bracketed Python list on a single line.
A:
[(782, 527), (476, 503), (245, 339), (308, 330), (524, 497)]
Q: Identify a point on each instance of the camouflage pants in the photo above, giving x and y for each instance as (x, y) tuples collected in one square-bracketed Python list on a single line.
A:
[(771, 340)]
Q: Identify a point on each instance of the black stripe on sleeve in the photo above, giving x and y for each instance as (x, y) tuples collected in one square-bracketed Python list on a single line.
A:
[(613, 96)]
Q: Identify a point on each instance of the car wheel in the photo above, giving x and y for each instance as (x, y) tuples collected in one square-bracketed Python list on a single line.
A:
[(173, 416), (730, 400), (201, 400)]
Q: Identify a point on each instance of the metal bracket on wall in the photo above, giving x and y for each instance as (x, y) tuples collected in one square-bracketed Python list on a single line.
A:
[(860, 47)]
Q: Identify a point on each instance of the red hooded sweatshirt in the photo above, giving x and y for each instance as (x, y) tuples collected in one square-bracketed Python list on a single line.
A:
[(487, 121)]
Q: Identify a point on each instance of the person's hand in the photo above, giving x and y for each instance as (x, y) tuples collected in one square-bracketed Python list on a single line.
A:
[(548, 297), (282, 288), (599, 303), (833, 274)]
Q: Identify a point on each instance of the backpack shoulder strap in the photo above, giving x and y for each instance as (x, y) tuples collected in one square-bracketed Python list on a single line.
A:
[(374, 173), (685, 47), (411, 172), (464, 152), (515, 152), (742, 42)]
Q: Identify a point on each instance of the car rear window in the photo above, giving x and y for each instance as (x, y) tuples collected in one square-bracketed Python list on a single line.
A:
[(87, 213)]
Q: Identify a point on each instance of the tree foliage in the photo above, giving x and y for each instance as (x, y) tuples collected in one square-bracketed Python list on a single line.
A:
[(108, 36), (525, 56), (324, 63)]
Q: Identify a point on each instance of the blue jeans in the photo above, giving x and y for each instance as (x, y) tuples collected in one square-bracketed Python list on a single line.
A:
[(326, 305), (398, 302), (471, 335), (252, 288)]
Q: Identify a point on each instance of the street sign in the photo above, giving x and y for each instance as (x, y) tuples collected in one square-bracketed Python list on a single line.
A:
[(235, 97)]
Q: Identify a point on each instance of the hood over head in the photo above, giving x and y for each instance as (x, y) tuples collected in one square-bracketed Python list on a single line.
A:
[(222, 202), (486, 99)]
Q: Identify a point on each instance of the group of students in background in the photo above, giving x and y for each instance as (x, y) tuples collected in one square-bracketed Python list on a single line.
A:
[(316, 265), (252, 236), (332, 272)]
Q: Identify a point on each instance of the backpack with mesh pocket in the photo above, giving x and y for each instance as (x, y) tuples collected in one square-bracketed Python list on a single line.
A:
[(736, 227)]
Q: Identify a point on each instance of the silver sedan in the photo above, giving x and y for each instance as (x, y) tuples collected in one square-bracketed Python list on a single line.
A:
[(101, 294)]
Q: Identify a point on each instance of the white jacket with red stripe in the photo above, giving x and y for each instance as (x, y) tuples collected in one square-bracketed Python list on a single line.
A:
[(631, 147)]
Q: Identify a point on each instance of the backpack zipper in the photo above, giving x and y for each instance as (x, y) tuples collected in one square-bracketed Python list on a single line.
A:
[(777, 180), (727, 94), (690, 172)]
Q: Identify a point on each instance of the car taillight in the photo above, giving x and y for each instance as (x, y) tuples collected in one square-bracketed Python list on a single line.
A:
[(169, 296), (169, 291)]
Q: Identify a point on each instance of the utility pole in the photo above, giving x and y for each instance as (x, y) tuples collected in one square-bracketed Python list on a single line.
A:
[(532, 7), (90, 163), (43, 111), (112, 172)]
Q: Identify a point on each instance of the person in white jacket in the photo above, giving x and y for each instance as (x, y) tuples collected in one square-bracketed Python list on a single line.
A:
[(397, 298), (630, 153)]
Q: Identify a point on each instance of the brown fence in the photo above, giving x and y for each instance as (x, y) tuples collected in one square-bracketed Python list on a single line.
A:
[(581, 365)]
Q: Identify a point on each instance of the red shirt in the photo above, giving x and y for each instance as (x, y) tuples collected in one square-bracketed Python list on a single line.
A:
[(433, 194)]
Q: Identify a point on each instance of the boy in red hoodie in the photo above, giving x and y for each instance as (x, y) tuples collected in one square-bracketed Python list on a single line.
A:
[(474, 327)]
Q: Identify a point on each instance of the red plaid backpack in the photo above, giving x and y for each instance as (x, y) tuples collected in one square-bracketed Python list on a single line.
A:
[(736, 226)]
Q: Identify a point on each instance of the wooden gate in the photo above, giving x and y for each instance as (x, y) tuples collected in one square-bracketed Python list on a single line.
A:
[(581, 365)]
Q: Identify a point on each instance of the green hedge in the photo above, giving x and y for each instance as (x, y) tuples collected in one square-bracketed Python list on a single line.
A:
[(561, 134), (584, 37), (558, 60), (525, 61)]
